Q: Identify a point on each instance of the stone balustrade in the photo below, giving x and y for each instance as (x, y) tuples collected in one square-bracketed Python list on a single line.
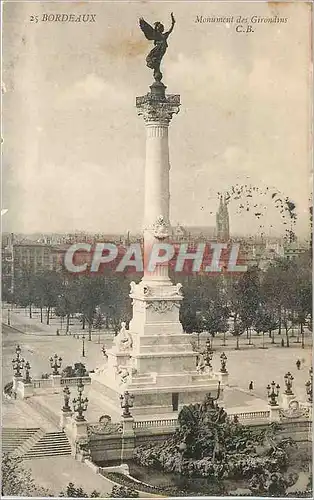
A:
[(73, 381), (42, 382), (46, 385), (172, 422), (253, 415), (143, 424)]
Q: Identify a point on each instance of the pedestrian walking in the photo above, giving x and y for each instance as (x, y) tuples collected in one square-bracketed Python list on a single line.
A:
[(282, 343), (251, 386), (298, 363)]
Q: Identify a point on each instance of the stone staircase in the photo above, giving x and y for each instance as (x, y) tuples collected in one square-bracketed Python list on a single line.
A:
[(12, 439), (45, 412), (50, 444), (27, 445), (34, 443)]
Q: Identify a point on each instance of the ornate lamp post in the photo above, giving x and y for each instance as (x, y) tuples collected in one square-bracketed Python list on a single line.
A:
[(55, 364), (208, 354), (9, 317), (223, 361), (126, 400), (80, 403), (18, 362), (83, 346), (27, 378), (288, 381), (273, 393), (66, 395)]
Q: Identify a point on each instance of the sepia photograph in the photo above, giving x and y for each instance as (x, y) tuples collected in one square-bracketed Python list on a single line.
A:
[(156, 257)]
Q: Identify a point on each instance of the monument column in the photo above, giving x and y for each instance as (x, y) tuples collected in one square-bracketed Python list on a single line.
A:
[(155, 359), (157, 110)]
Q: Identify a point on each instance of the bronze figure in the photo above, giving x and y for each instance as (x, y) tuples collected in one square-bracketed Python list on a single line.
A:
[(159, 37)]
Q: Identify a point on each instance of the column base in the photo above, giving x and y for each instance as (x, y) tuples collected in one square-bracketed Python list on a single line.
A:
[(286, 400), (274, 413)]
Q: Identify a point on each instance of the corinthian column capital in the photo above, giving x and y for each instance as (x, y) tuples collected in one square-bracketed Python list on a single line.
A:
[(157, 110)]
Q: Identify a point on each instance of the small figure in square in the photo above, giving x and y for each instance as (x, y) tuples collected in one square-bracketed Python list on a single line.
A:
[(282, 343), (251, 386), (298, 363)]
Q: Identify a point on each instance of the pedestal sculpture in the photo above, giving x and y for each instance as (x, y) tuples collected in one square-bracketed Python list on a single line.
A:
[(154, 360)]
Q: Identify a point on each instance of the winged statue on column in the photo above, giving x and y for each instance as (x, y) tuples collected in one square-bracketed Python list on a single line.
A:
[(159, 36)]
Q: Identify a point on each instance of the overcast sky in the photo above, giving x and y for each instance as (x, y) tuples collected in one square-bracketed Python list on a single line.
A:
[(74, 146)]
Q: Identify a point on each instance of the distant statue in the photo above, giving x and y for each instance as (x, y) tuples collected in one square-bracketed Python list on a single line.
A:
[(208, 403), (123, 341), (178, 288), (200, 367), (161, 228), (124, 374), (159, 37)]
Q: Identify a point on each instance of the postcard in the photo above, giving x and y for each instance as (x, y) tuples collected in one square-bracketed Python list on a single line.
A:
[(157, 249)]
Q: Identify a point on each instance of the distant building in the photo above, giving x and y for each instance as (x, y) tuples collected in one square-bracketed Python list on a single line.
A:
[(193, 234), (222, 221), (293, 250), (19, 257)]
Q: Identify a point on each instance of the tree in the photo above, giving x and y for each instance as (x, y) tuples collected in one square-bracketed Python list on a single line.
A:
[(243, 298), (25, 290), (116, 305), (92, 293), (278, 290), (69, 300), (47, 286), (237, 330), (264, 322), (99, 321), (202, 307), (18, 481), (303, 293), (78, 492), (303, 306), (191, 320), (215, 319)]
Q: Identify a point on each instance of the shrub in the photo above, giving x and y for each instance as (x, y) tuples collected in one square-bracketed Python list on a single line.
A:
[(123, 492), (78, 492)]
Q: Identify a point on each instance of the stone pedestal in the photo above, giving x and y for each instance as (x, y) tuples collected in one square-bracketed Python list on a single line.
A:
[(28, 390), (274, 413), (65, 418), (160, 371), (223, 377), (128, 438), (15, 381), (56, 381), (23, 389), (79, 429), (286, 400)]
